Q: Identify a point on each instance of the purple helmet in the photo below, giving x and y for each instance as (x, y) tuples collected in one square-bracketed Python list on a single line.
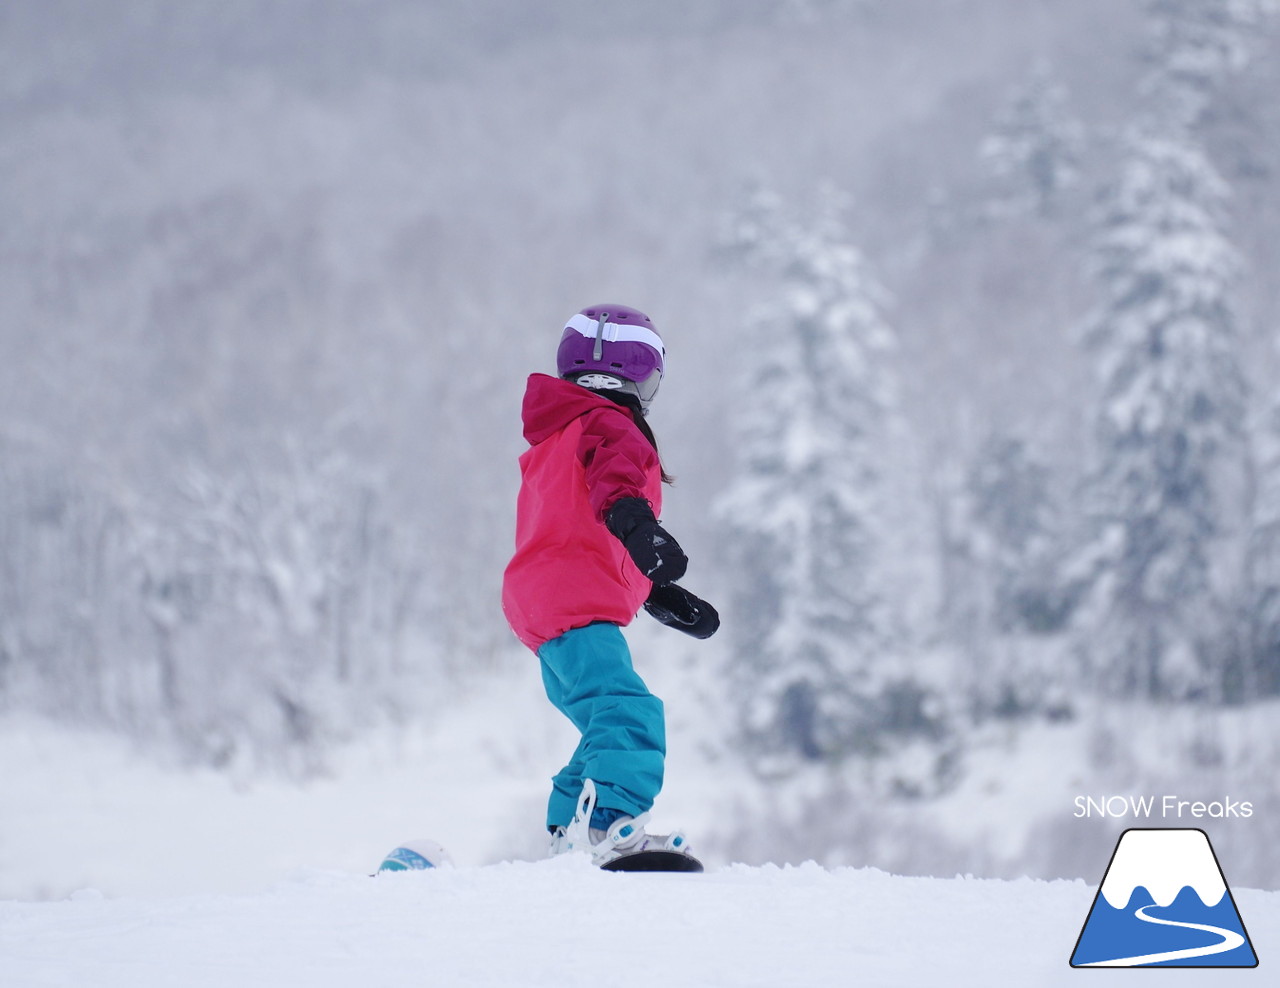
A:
[(612, 348)]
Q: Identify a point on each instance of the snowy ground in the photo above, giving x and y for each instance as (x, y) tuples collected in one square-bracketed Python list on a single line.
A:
[(82, 809), (121, 871), (564, 923)]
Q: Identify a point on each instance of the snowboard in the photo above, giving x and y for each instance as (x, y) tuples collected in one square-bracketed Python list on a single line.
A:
[(422, 854), (415, 855), (657, 860)]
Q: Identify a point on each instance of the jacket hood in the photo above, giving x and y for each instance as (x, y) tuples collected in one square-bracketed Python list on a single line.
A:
[(551, 403)]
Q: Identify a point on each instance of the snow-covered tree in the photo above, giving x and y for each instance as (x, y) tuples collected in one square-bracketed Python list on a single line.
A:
[(296, 567), (251, 621), (1171, 452), (1000, 529), (1033, 151), (1259, 672), (1192, 46), (1016, 519), (817, 651)]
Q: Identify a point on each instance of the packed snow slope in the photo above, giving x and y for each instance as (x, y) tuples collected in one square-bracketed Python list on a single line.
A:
[(563, 923), (117, 872)]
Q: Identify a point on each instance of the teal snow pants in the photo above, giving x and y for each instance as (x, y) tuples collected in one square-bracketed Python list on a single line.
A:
[(590, 679)]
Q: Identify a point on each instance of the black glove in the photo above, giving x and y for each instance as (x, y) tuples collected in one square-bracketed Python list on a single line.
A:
[(657, 554), (677, 608)]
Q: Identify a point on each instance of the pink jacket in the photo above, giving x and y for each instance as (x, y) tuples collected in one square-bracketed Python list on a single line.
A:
[(585, 453)]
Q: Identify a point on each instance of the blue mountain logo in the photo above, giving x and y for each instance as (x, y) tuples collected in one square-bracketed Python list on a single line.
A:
[(1164, 902)]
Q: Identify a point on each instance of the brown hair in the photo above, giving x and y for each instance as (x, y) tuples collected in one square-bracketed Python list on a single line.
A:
[(632, 404)]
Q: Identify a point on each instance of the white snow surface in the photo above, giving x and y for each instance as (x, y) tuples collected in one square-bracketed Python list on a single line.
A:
[(119, 871), (87, 809), (192, 881), (564, 923)]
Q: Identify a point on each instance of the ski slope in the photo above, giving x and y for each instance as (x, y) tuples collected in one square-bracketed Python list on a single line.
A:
[(118, 872), (564, 923)]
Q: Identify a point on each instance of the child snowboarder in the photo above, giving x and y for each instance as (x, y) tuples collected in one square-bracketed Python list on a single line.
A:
[(589, 553)]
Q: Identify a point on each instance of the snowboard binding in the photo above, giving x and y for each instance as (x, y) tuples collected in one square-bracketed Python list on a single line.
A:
[(625, 845)]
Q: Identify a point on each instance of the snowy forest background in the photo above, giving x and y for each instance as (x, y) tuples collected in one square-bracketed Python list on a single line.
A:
[(972, 321)]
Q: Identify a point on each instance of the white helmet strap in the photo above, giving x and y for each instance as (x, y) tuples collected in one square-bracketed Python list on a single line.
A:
[(604, 331)]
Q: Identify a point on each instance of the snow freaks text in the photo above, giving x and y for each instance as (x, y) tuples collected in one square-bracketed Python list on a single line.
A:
[(1164, 807)]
